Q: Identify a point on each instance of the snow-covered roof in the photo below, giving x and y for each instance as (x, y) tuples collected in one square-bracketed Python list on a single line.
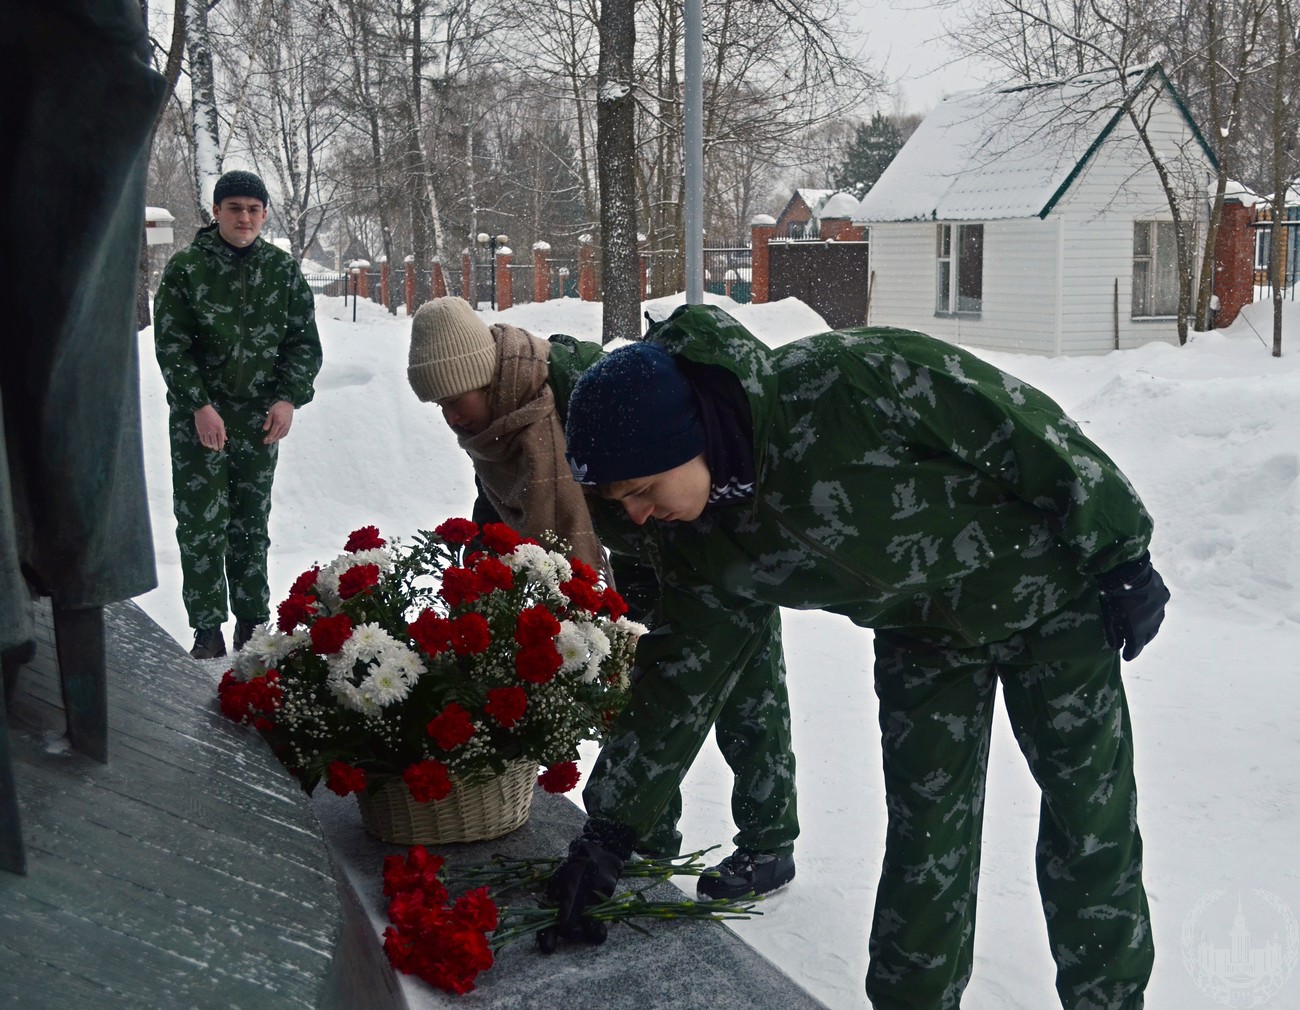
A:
[(813, 197), (1001, 152)]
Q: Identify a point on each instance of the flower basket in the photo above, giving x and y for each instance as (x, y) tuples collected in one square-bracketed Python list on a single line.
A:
[(444, 669), (472, 812)]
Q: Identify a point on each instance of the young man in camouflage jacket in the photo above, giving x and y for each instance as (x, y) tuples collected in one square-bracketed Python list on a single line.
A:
[(957, 512), (235, 334), (475, 374)]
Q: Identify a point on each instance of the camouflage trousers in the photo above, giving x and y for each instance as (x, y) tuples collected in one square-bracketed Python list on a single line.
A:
[(753, 734), (1062, 689), (222, 501)]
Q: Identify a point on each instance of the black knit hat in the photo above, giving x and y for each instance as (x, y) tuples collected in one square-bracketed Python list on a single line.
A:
[(632, 414), (238, 183)]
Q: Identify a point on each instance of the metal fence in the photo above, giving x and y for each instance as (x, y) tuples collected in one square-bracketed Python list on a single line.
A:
[(328, 284), (1290, 257), (729, 272)]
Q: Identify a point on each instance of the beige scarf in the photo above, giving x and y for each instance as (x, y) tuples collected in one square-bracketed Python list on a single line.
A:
[(519, 457)]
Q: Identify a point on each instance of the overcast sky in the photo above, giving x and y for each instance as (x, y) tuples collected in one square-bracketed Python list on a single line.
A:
[(908, 38)]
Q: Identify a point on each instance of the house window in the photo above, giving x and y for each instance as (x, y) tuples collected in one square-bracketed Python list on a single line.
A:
[(1155, 269), (959, 269)]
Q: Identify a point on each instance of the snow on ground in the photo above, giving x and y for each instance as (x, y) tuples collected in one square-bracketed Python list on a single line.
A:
[(1210, 435)]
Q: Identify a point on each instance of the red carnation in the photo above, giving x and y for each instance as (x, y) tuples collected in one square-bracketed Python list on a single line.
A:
[(343, 779), (232, 693), (582, 594), (614, 604), (430, 632), (358, 579), (452, 958), (365, 539), (501, 538), (427, 781), (250, 700), (506, 705), (470, 634), (295, 611), (536, 626), (493, 574), (538, 664), (329, 633), (460, 585), (476, 910), (560, 777), (584, 571), (407, 909), (419, 870), (457, 531), (305, 582), (451, 727)]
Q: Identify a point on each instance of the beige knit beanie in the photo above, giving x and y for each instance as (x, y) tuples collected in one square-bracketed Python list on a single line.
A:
[(452, 350)]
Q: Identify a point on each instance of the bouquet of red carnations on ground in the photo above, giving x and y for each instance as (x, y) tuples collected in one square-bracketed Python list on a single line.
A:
[(448, 941), (440, 661)]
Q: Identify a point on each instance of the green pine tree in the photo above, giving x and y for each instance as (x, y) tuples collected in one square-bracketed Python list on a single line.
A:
[(873, 147)]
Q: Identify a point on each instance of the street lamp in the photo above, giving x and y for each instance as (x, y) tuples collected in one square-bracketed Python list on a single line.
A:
[(492, 242)]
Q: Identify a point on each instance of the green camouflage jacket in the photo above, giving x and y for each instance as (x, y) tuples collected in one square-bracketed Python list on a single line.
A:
[(901, 482), (235, 328)]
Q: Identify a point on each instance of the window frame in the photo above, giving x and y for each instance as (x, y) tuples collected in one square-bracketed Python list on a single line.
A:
[(959, 254), (1157, 260)]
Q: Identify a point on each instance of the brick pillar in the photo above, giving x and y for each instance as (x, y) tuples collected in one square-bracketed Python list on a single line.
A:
[(541, 272), (840, 229), (761, 230), (505, 295), (363, 280), (1234, 261), (586, 269), (467, 278), (408, 284), (437, 282)]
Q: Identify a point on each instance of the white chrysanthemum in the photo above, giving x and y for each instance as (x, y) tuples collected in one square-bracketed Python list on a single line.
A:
[(633, 628), (265, 650), (547, 567), (382, 659), (404, 662), (571, 643), (327, 582), (598, 649), (384, 685)]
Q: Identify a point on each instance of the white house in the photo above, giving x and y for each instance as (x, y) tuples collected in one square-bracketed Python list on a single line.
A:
[(1032, 218)]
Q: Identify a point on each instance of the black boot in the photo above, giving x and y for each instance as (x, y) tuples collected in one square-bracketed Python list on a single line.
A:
[(243, 632), (209, 643), (743, 873)]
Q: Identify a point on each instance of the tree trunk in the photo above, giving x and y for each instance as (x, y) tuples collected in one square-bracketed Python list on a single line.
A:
[(1277, 231), (203, 101), (616, 168)]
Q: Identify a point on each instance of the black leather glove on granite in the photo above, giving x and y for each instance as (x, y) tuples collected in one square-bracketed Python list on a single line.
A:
[(1133, 598), (587, 877)]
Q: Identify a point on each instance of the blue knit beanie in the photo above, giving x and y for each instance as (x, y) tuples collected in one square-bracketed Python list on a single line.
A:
[(240, 183), (632, 414)]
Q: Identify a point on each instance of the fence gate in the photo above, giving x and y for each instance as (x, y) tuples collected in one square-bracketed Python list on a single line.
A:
[(831, 277)]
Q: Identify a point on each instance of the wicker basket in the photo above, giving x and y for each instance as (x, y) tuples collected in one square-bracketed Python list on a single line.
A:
[(471, 813)]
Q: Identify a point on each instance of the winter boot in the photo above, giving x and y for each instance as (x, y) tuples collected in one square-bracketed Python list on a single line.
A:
[(743, 873), (243, 632), (208, 643)]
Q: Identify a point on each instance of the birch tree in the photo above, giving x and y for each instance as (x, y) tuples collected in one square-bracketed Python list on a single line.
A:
[(204, 117)]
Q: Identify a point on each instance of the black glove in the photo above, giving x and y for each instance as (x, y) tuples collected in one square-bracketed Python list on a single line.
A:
[(1133, 598), (587, 877)]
